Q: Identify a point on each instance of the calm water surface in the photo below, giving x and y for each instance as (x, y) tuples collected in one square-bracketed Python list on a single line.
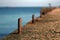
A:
[(9, 17)]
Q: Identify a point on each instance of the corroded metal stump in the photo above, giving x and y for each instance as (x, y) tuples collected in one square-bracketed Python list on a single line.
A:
[(33, 18), (20, 25)]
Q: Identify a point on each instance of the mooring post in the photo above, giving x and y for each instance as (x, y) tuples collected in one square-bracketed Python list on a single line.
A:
[(33, 18), (20, 25), (40, 14)]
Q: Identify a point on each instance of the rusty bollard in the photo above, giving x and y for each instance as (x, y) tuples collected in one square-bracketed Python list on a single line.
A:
[(40, 14), (19, 25), (33, 18)]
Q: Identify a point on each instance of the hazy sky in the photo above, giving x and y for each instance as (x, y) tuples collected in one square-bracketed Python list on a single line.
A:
[(26, 3)]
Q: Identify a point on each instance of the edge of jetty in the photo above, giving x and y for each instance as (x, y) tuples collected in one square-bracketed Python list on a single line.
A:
[(21, 31)]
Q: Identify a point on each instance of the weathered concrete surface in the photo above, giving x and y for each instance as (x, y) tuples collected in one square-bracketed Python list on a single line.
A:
[(45, 28), (44, 11)]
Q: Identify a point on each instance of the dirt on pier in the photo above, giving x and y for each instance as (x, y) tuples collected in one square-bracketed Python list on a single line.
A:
[(45, 28)]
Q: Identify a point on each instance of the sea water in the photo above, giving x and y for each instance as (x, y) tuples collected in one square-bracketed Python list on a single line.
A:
[(9, 17)]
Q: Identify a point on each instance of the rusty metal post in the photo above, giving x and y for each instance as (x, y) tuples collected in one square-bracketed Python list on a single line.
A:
[(33, 18), (40, 14), (20, 25)]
